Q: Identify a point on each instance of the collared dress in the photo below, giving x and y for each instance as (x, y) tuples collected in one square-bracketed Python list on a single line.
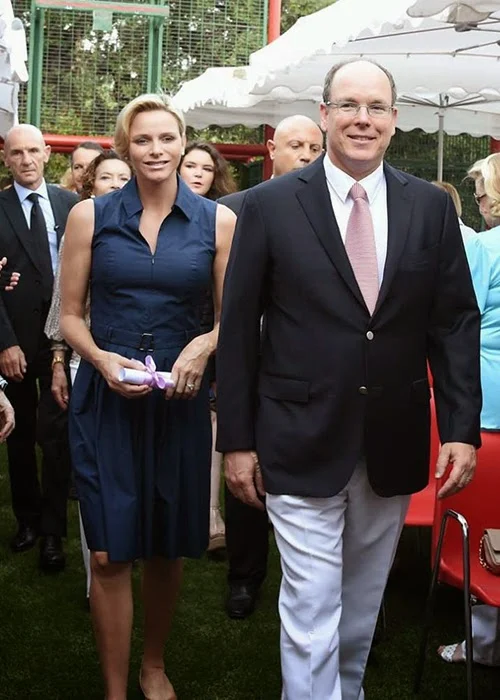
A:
[(142, 466)]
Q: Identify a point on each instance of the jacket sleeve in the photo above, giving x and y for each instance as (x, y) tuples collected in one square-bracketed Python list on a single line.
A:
[(238, 348), (453, 341), (8, 337)]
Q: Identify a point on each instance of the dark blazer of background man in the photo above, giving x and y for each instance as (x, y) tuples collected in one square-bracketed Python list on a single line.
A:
[(333, 399), (296, 143), (25, 358)]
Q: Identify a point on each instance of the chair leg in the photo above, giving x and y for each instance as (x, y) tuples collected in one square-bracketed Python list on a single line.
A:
[(383, 616), (429, 609), (469, 651), (419, 543)]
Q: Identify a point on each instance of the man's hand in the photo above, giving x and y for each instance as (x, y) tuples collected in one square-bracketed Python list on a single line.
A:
[(463, 459), (59, 386), (244, 478), (13, 364), (7, 419)]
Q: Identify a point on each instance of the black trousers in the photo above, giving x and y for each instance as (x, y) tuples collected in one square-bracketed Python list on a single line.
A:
[(247, 541), (39, 420)]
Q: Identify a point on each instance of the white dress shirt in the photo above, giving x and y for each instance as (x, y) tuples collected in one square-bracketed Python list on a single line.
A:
[(23, 193), (375, 186)]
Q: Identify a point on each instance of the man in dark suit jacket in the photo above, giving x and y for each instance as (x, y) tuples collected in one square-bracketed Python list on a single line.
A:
[(296, 143), (32, 220), (360, 273)]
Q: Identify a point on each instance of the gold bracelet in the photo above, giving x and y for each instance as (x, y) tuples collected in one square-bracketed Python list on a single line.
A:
[(56, 360)]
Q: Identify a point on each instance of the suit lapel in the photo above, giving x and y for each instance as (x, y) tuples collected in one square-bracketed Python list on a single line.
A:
[(14, 213), (399, 206), (315, 200), (59, 210)]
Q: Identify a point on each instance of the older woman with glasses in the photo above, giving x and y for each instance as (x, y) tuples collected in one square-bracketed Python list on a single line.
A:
[(484, 259)]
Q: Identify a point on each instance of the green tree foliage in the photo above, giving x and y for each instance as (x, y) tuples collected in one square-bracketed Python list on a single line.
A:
[(90, 73), (292, 10)]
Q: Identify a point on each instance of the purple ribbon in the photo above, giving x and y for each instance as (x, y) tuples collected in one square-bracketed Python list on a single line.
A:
[(155, 380)]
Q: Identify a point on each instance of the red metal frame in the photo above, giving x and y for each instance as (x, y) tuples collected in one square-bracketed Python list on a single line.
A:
[(63, 143), (274, 20), (273, 32), (494, 146)]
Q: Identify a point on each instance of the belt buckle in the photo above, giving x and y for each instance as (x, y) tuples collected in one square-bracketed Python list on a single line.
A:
[(147, 343)]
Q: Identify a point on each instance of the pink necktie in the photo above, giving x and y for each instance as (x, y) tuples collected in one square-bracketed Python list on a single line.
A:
[(360, 246)]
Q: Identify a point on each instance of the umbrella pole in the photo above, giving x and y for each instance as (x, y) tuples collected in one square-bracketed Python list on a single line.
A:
[(440, 145)]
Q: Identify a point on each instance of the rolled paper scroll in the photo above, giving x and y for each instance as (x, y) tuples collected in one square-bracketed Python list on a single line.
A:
[(147, 377)]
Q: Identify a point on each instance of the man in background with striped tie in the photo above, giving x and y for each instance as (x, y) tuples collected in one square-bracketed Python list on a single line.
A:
[(360, 274)]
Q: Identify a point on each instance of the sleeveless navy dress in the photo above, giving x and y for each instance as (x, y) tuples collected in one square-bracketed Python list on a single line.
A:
[(142, 466)]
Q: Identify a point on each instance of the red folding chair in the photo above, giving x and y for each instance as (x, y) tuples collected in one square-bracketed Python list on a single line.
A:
[(459, 523), (421, 509)]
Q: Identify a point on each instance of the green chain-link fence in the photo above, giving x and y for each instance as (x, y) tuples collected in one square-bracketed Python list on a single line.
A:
[(92, 62), (415, 152)]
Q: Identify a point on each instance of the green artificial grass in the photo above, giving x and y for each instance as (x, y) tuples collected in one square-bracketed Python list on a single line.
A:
[(47, 650)]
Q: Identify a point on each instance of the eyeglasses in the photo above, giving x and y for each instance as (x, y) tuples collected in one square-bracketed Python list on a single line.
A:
[(479, 197), (378, 110)]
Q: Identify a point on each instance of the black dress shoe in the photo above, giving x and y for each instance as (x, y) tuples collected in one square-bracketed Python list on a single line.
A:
[(241, 600), (24, 539), (52, 558)]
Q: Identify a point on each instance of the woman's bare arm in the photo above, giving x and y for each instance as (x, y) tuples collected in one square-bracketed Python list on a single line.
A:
[(75, 275), (189, 367)]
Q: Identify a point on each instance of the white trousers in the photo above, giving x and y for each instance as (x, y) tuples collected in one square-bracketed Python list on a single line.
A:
[(73, 368), (485, 635), (336, 554)]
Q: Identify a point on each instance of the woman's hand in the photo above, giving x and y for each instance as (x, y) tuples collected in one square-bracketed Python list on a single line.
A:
[(7, 417), (189, 367), (8, 280), (109, 365)]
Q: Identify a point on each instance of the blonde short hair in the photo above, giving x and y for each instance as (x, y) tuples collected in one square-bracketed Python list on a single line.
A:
[(453, 192), (143, 103), (474, 172), (490, 172)]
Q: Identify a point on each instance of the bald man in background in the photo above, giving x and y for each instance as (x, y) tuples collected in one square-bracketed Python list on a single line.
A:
[(297, 142), (32, 221)]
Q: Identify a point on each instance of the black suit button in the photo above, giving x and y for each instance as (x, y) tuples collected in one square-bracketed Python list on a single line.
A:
[(38, 282), (36, 311), (363, 390)]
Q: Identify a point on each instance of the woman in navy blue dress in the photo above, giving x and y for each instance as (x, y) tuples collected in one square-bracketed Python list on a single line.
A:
[(141, 456)]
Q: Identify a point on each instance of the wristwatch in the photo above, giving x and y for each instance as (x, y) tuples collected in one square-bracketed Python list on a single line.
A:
[(56, 360), (3, 383)]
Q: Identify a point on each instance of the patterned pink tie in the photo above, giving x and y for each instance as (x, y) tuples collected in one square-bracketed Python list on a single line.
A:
[(360, 246)]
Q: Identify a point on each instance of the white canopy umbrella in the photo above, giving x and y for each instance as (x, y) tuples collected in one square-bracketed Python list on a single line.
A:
[(466, 12), (223, 96), (382, 28), (13, 57), (428, 57)]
